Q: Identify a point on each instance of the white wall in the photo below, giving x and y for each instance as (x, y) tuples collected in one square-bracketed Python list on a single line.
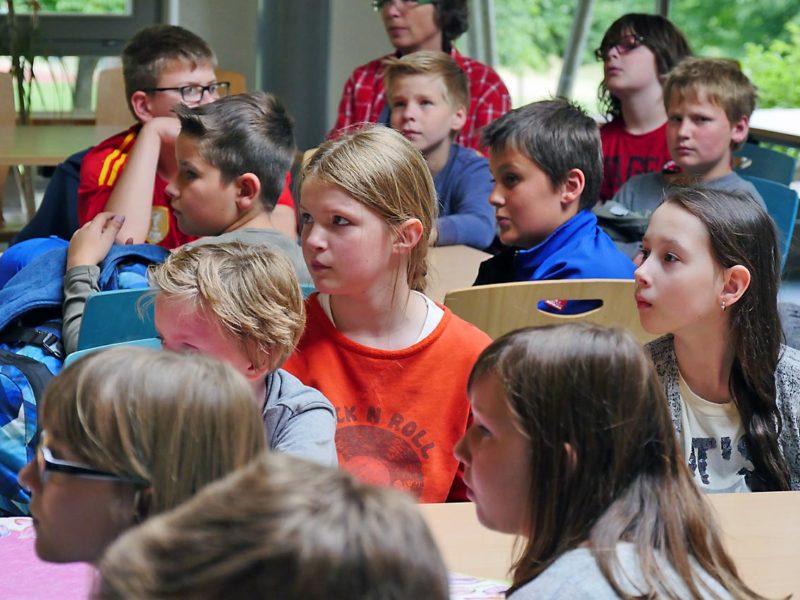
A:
[(357, 36), (229, 26)]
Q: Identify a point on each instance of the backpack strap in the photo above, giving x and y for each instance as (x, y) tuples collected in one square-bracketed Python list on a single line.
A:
[(42, 336)]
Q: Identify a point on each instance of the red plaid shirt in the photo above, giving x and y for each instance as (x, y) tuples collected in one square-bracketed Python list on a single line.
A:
[(363, 98)]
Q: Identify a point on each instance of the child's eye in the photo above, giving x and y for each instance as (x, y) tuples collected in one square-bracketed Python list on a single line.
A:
[(338, 220), (189, 175), (675, 119), (670, 257), (426, 102), (305, 218), (645, 253), (483, 431), (510, 180), (398, 104)]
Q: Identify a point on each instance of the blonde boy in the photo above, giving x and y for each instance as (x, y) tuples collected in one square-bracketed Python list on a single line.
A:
[(242, 304), (709, 102), (428, 96)]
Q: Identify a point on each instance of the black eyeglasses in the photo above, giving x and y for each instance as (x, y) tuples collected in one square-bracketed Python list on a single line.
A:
[(194, 93), (403, 4), (623, 45), (47, 463)]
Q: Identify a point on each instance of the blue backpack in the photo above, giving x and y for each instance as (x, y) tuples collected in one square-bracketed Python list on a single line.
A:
[(31, 353)]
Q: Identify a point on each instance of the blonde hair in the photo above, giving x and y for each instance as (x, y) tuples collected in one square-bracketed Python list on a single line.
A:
[(720, 80), (381, 169), (280, 528), (174, 421), (436, 64), (251, 291)]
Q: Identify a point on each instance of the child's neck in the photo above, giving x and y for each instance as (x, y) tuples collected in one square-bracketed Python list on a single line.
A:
[(705, 358), (252, 220), (644, 110), (436, 158), (717, 171), (388, 318)]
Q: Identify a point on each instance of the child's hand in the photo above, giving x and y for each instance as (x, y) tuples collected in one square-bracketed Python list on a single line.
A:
[(167, 128), (90, 244)]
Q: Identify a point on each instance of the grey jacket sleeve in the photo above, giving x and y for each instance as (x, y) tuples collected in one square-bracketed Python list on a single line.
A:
[(79, 282), (299, 420)]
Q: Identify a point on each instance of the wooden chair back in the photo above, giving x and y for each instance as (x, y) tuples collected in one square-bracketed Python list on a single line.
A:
[(452, 268), (498, 309), (8, 111), (112, 105), (238, 80)]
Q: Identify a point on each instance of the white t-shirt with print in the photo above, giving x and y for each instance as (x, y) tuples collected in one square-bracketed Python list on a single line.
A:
[(714, 443)]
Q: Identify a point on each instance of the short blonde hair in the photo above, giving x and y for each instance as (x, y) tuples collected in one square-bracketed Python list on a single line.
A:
[(251, 290), (436, 64), (173, 421), (721, 81), (381, 169), (280, 528)]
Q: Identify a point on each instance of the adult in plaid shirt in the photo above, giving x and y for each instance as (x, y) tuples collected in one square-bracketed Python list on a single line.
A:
[(414, 25)]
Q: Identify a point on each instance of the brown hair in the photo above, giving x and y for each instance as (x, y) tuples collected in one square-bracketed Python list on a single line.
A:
[(604, 456), (250, 290), (720, 80), (151, 49), (659, 34), (174, 421), (558, 136), (381, 169), (742, 233), (436, 64), (280, 528), (245, 133)]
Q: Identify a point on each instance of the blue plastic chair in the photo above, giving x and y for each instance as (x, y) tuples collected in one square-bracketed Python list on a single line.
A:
[(145, 343), (782, 202), (117, 316), (766, 163)]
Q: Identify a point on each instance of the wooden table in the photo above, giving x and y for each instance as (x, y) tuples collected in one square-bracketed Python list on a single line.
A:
[(47, 145), (43, 145), (761, 533)]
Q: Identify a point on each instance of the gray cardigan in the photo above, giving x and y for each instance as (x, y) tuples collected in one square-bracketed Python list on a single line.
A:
[(787, 388)]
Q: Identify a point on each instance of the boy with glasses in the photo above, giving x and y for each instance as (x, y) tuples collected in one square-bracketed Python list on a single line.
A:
[(414, 25), (127, 174)]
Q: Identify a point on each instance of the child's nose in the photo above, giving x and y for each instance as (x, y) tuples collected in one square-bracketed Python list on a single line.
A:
[(460, 449), (172, 190), (641, 275), (496, 198), (28, 477), (313, 237)]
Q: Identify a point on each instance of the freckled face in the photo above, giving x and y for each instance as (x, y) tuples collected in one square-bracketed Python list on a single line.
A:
[(346, 245), (496, 457)]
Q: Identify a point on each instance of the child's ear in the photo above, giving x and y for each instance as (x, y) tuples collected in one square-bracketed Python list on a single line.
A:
[(248, 191), (255, 373), (739, 130), (407, 236), (736, 282), (458, 119), (140, 103), (572, 188)]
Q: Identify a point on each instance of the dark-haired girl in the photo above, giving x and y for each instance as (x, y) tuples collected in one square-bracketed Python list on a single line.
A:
[(572, 448), (636, 51), (710, 278)]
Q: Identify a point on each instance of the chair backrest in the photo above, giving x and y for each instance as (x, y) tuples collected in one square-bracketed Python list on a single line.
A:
[(782, 204), (766, 163), (145, 343), (500, 308), (238, 80), (117, 316), (8, 113), (452, 268), (112, 105)]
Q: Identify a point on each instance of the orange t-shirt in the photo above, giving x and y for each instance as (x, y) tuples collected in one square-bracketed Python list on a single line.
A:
[(399, 412)]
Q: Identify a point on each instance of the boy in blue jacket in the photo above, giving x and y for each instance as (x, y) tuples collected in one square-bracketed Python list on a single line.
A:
[(546, 160)]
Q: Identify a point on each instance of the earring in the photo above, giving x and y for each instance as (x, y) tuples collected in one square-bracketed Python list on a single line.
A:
[(722, 305)]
